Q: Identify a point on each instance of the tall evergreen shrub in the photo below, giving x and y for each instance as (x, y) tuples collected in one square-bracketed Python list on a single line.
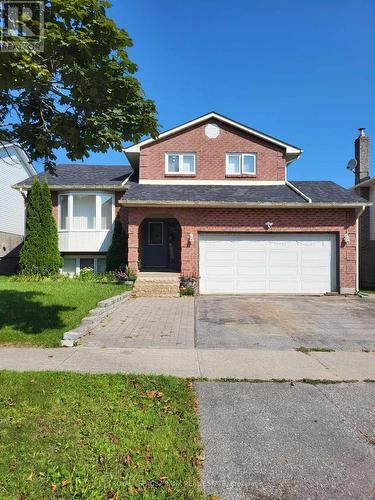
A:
[(40, 254), (117, 255)]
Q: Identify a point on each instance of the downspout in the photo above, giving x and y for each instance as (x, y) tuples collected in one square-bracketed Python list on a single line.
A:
[(303, 195), (359, 213), (290, 185)]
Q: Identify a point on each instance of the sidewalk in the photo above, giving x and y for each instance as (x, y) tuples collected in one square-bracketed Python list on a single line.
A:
[(207, 363)]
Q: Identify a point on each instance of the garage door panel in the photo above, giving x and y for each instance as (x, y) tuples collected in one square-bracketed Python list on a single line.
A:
[(251, 257), (269, 263), (254, 285), (284, 285), (212, 271)]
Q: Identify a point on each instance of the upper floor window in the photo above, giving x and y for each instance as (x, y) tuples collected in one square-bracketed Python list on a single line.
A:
[(241, 163), (180, 163), (85, 211)]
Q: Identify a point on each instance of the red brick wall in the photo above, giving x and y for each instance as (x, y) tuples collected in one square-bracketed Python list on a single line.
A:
[(251, 220), (211, 154)]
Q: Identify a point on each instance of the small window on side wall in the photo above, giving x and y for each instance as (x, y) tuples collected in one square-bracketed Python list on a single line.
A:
[(241, 164), (180, 163)]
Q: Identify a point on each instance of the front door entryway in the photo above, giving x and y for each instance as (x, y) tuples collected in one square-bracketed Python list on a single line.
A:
[(160, 244)]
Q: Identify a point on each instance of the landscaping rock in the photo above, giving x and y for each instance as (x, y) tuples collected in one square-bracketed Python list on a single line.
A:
[(105, 307)]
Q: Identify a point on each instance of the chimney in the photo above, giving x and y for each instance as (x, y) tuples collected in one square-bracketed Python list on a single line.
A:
[(362, 155)]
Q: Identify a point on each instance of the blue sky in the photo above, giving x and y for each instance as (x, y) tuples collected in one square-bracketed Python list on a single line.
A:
[(300, 70)]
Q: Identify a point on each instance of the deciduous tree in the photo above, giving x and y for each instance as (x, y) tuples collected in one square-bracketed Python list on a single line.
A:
[(80, 93)]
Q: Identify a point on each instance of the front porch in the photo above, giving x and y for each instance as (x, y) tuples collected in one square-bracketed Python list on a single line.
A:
[(157, 284)]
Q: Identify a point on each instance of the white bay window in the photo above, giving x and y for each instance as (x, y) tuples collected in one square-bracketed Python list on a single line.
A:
[(85, 221), (86, 212)]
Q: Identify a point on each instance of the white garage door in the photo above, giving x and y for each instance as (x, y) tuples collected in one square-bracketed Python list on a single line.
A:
[(270, 263)]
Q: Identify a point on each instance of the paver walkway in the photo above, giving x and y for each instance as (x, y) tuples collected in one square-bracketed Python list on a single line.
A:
[(147, 322), (278, 441)]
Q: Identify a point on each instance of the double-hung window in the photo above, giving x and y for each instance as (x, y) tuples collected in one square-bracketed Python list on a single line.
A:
[(85, 212), (180, 163), (241, 163)]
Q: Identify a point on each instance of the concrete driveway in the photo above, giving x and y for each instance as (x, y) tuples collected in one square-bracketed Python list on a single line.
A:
[(285, 322), (278, 441)]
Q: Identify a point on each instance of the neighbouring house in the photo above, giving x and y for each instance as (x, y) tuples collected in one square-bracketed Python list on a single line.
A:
[(211, 198), (14, 167), (365, 187)]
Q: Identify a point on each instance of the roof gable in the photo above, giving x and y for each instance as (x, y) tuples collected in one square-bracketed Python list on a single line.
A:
[(292, 151)]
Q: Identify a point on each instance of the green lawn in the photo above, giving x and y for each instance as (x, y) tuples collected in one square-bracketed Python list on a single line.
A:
[(67, 435), (38, 314)]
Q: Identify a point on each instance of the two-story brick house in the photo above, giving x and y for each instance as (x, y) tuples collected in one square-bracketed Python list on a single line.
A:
[(211, 198)]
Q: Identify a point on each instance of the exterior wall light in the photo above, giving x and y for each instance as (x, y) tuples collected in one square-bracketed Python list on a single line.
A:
[(346, 238), (268, 225), (190, 239)]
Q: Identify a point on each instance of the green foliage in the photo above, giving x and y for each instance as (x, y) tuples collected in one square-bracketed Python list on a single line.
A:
[(189, 290), (82, 436), (130, 273), (40, 254), (53, 258), (39, 313), (88, 274), (80, 93), (117, 254)]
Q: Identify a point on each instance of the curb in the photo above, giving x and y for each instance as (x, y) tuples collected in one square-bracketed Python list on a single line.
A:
[(103, 309)]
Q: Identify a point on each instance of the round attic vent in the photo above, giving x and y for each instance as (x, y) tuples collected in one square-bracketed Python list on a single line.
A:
[(212, 130)]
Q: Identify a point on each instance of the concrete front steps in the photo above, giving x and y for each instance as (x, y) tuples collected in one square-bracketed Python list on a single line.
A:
[(155, 284)]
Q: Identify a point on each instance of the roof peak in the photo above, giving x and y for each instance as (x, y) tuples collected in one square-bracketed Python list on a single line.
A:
[(293, 151)]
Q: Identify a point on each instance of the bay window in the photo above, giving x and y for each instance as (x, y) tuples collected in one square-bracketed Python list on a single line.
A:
[(86, 212)]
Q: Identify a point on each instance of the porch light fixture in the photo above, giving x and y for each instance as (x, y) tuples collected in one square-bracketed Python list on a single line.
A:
[(268, 225), (346, 238), (191, 238)]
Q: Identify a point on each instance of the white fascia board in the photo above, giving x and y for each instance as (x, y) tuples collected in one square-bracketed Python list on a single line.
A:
[(289, 148), (95, 188), (218, 204), (203, 182)]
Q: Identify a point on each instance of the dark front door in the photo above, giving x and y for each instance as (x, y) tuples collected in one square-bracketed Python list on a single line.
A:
[(155, 246)]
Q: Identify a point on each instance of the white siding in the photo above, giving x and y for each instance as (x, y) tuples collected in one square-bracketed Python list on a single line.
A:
[(12, 212), (84, 241), (372, 213)]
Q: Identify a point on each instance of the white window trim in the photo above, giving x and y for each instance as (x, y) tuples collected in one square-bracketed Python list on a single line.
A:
[(242, 156), (82, 256), (180, 155), (162, 234), (98, 219)]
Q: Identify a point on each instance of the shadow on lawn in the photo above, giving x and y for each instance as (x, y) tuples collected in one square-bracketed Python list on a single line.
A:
[(21, 311)]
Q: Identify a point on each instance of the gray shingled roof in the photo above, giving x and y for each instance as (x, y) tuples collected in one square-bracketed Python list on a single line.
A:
[(84, 176), (318, 191), (327, 192)]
